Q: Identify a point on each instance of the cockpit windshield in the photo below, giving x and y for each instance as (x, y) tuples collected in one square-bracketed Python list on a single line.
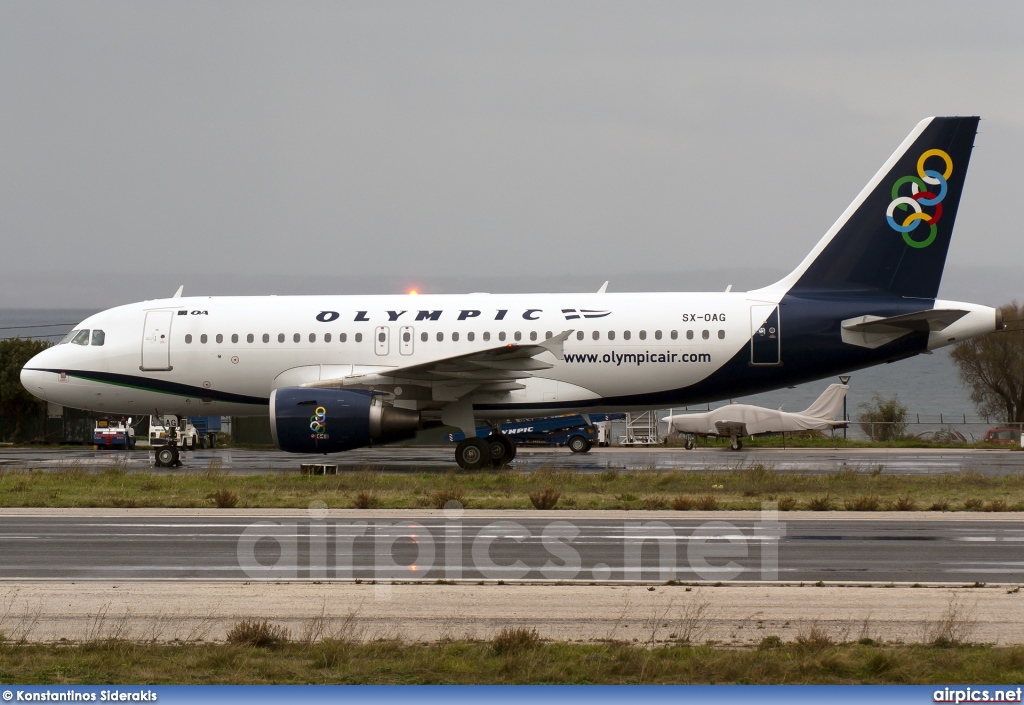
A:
[(69, 337), (98, 336), (82, 338)]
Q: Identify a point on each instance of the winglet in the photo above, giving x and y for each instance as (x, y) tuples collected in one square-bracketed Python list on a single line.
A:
[(554, 344), (177, 294), (603, 289)]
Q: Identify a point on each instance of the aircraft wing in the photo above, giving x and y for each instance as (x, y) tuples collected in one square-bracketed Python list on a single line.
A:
[(494, 369)]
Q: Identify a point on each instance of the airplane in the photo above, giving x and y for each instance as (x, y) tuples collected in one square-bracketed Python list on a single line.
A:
[(334, 373), (737, 420)]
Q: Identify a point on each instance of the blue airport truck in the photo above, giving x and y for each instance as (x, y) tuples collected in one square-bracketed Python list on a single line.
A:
[(573, 431), (207, 428)]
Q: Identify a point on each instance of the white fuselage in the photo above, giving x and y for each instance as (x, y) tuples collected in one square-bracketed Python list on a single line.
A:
[(224, 355), (631, 344)]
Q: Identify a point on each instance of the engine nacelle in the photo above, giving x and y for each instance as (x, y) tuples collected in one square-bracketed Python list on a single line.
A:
[(309, 420)]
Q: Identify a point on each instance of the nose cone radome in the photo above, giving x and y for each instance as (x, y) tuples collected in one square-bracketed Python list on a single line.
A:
[(33, 379)]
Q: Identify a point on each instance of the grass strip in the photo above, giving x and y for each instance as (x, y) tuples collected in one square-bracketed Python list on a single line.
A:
[(463, 662), (730, 489)]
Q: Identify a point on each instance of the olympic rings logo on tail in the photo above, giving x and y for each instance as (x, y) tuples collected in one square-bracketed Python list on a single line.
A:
[(318, 422), (921, 194)]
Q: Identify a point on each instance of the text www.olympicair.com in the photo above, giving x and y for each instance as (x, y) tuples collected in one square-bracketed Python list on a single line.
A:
[(638, 359)]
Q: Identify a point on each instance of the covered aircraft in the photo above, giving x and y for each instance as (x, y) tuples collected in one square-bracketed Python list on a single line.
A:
[(738, 420)]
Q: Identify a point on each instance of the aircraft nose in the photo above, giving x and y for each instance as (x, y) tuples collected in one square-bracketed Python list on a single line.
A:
[(34, 380)]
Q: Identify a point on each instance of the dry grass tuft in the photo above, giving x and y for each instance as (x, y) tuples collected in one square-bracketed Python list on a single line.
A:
[(441, 498), (707, 503), (864, 503), (512, 640), (683, 503), (224, 499), (654, 502), (905, 504), (259, 633), (787, 504), (545, 499), (820, 504), (366, 500)]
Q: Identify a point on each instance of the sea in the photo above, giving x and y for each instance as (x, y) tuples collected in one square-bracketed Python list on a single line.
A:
[(928, 385)]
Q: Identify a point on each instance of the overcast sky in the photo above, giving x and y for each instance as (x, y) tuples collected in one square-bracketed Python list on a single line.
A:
[(304, 147)]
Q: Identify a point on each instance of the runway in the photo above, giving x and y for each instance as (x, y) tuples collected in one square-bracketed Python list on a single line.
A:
[(899, 461), (607, 547)]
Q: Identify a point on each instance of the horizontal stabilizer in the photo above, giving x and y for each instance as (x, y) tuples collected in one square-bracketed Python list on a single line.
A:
[(876, 331)]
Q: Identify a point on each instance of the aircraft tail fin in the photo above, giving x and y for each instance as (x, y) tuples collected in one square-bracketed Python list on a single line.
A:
[(892, 240), (829, 403)]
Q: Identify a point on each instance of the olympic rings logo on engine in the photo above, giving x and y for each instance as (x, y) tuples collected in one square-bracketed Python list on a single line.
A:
[(318, 422), (921, 194)]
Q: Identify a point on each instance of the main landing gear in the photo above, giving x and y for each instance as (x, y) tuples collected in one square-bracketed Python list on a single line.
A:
[(735, 443), (477, 453)]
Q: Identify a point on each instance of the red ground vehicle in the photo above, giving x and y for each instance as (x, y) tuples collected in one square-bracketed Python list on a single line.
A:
[(1003, 435)]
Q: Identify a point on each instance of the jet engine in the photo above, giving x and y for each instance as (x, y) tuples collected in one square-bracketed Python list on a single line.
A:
[(317, 420)]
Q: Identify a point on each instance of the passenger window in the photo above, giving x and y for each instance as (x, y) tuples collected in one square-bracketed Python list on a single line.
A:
[(547, 336), (643, 335), (470, 336), (597, 335), (312, 337), (359, 337), (424, 337), (611, 335), (250, 338), (381, 337), (220, 338), (406, 337), (82, 338), (501, 335), (674, 335), (533, 335), (98, 337), (625, 335), (487, 335), (280, 337), (705, 334), (579, 335), (234, 338), (455, 338), (203, 339), (296, 338), (440, 337), (657, 335), (518, 336), (689, 335), (721, 335), (342, 337), (266, 337), (188, 338), (327, 337)]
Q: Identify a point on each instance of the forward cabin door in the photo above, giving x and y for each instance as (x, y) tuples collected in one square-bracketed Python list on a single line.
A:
[(156, 341), (765, 336)]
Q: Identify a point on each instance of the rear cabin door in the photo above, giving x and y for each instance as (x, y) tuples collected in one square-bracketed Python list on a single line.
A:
[(156, 341), (381, 343), (765, 337)]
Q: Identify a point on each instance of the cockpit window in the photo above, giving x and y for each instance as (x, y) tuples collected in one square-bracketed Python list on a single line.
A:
[(82, 338), (98, 336), (69, 337)]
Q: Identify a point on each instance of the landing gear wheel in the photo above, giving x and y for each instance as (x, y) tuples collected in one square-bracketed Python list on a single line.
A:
[(736, 444), (167, 457), (578, 444), (688, 443), (503, 450), (472, 453)]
